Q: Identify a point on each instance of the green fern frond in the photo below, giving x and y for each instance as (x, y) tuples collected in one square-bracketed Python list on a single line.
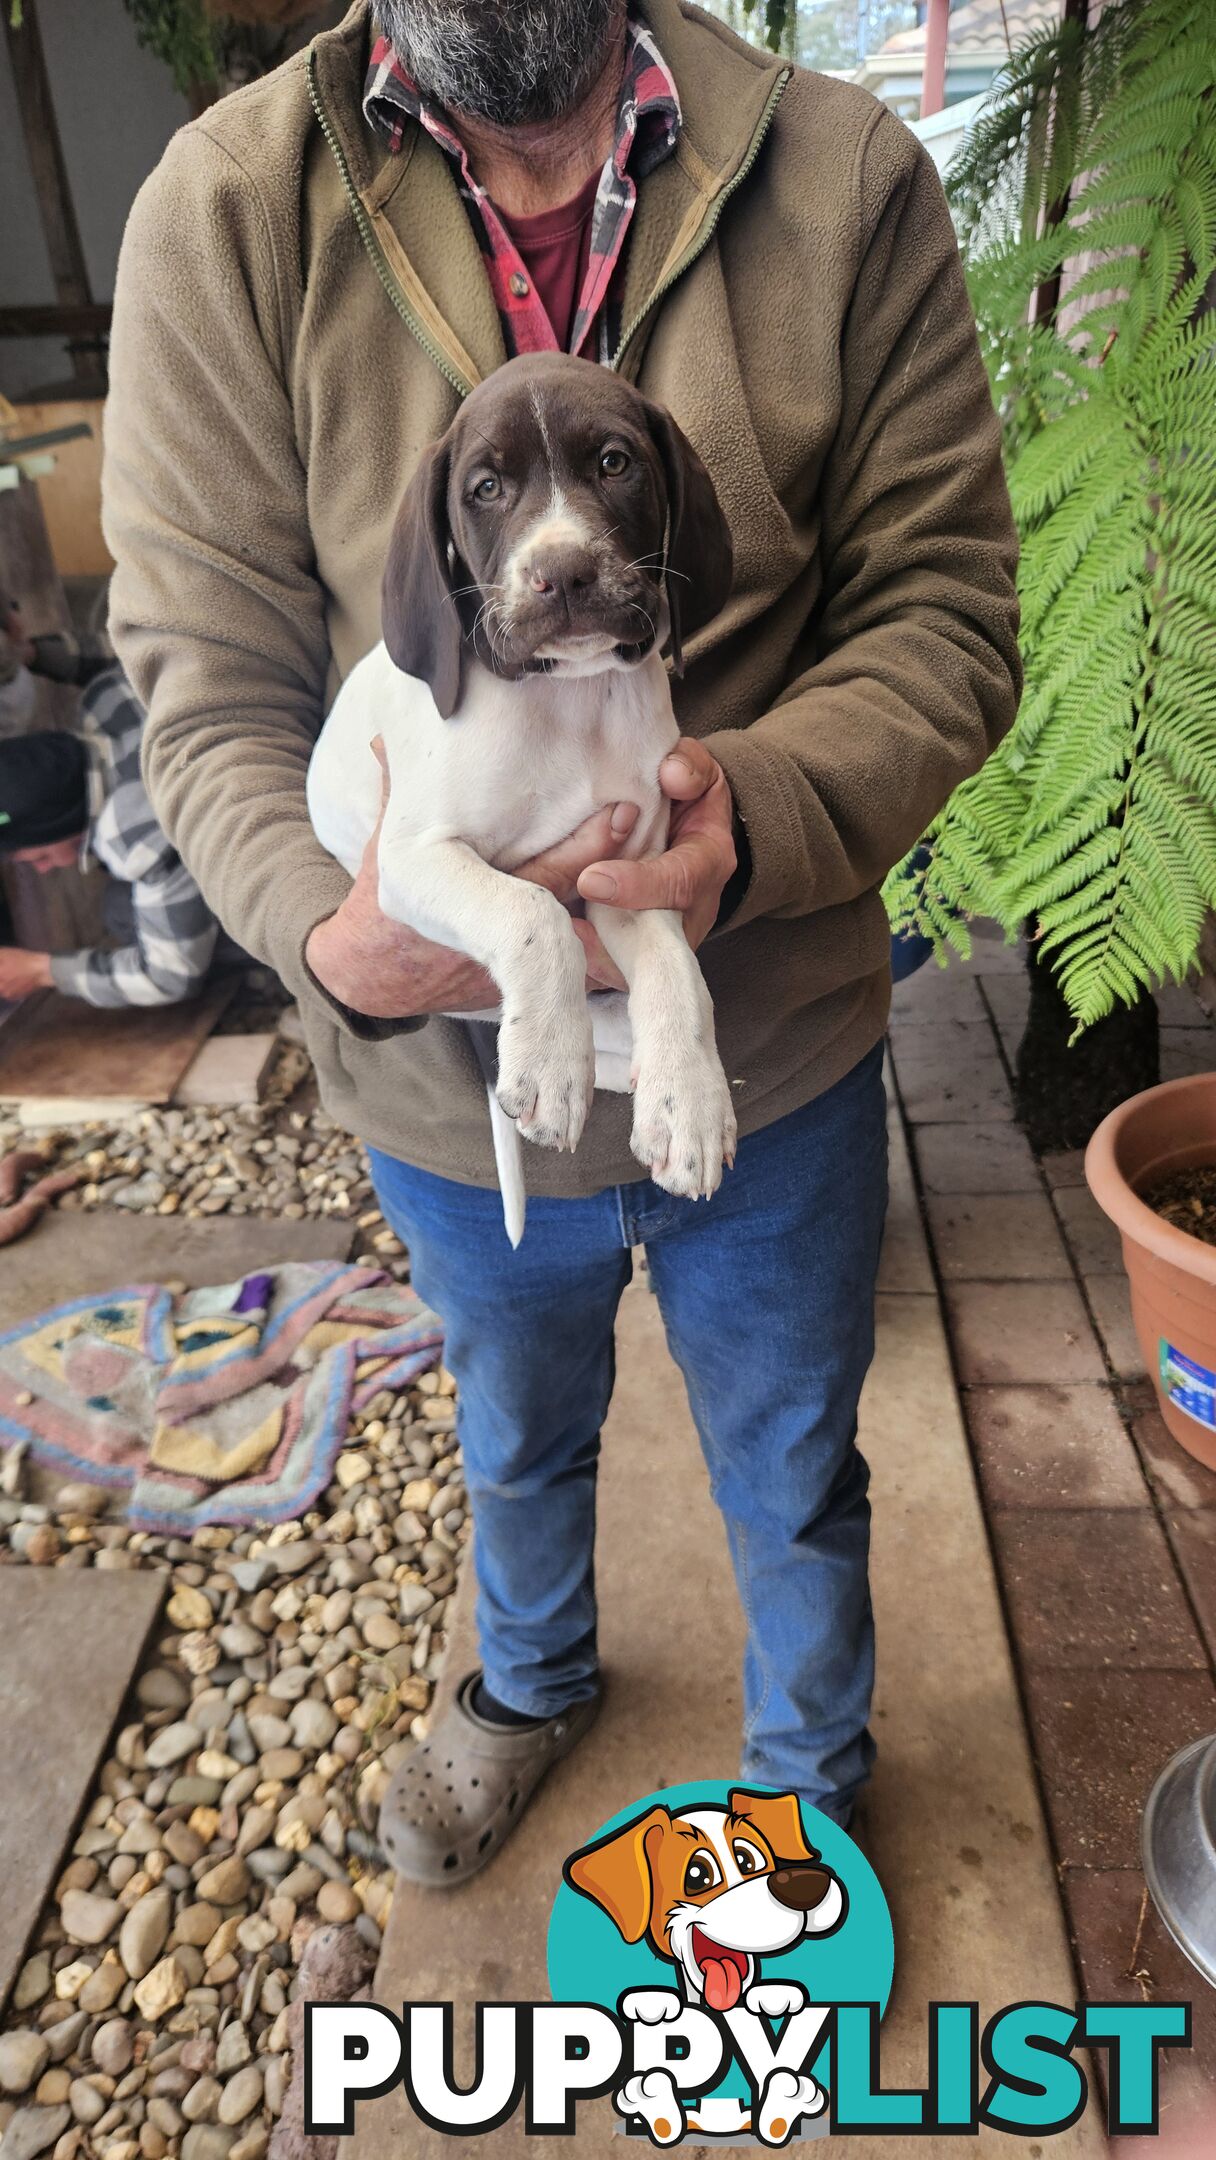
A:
[(1096, 818)]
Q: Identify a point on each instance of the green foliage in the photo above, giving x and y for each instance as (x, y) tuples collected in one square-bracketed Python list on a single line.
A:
[(180, 33), (775, 13), (816, 33), (1096, 818)]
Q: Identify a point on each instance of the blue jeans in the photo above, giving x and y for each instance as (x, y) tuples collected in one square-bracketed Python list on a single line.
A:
[(767, 1297)]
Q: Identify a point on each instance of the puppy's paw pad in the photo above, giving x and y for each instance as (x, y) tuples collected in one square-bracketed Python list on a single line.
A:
[(684, 1125), (775, 1998), (652, 2095), (787, 2096)]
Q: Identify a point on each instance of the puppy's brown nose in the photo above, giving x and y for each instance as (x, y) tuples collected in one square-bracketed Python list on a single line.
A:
[(566, 571), (801, 1888)]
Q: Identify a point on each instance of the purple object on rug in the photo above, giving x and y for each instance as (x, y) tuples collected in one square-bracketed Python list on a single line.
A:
[(225, 1405)]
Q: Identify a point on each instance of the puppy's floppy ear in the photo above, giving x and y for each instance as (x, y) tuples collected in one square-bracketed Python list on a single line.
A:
[(778, 1818), (700, 557), (615, 1873), (420, 618)]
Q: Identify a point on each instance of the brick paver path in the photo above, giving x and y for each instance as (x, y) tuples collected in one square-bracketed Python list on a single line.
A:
[(1104, 1530)]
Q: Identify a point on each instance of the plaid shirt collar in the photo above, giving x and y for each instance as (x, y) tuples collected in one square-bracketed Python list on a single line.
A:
[(647, 124)]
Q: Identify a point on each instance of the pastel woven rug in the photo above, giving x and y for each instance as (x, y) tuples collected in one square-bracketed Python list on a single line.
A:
[(223, 1405)]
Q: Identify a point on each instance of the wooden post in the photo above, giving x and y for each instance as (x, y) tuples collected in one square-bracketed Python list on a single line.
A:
[(45, 152), (1047, 295), (937, 32)]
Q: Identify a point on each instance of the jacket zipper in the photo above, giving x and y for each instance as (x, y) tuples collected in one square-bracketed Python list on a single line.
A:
[(702, 238), (396, 297), (401, 306)]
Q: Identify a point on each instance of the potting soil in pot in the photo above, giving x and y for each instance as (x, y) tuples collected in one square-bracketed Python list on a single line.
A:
[(1187, 1199)]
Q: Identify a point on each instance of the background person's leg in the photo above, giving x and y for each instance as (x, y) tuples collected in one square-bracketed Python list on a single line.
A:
[(767, 1296), (528, 1337)]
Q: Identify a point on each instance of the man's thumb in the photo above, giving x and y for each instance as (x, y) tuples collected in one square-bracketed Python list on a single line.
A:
[(657, 881)]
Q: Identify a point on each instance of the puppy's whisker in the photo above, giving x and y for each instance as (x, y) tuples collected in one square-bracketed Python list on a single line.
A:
[(656, 562), (481, 616), (495, 617), (458, 592), (485, 621)]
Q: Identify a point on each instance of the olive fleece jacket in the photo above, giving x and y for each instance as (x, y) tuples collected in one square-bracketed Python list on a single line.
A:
[(298, 313)]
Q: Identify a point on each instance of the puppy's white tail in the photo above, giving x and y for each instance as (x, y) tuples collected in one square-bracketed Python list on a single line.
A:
[(509, 1158), (508, 1147)]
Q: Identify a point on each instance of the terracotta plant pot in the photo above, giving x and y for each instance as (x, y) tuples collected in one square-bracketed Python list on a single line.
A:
[(1172, 1276)]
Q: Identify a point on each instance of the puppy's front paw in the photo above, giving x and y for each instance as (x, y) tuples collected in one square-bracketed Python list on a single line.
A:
[(651, 2006), (775, 1998), (684, 1123), (546, 1079), (786, 2097), (652, 2095)]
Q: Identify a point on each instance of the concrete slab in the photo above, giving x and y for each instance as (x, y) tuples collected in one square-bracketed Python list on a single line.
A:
[(934, 994), (69, 1254), (69, 1645), (953, 1824), (996, 1237), (1110, 1301), (228, 1069), (1054, 1447), (951, 1075), (990, 955), (1022, 1331), (974, 1159)]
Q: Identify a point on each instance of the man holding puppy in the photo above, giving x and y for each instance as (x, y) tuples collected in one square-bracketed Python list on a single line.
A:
[(320, 269)]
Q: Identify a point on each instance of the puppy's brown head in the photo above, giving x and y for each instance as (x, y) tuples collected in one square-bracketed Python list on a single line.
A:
[(712, 1888), (564, 523)]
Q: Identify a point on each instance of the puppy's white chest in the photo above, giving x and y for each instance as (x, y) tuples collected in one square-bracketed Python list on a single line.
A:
[(527, 762), (513, 772)]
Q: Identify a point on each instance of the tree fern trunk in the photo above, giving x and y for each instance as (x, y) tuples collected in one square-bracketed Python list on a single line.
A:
[(1062, 1090)]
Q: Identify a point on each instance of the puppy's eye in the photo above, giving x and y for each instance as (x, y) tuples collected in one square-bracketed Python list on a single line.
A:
[(747, 1859), (613, 463), (489, 489), (702, 1873)]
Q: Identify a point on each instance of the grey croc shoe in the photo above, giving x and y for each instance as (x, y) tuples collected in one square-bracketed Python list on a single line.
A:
[(462, 1790)]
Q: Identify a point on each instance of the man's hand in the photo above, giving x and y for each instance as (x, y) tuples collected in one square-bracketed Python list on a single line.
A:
[(700, 856), (390, 972), (22, 972)]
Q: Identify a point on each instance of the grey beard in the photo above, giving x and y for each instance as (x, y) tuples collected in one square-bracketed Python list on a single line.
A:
[(512, 62)]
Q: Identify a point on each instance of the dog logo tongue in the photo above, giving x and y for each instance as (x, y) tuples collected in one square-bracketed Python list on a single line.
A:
[(723, 1985)]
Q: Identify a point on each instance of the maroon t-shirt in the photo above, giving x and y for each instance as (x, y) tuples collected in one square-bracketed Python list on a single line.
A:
[(555, 247)]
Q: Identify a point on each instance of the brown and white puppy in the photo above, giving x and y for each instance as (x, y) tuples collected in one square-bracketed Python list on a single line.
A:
[(546, 548), (561, 511), (713, 1889)]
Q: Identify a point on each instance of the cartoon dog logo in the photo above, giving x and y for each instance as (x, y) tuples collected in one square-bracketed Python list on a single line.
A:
[(713, 1889)]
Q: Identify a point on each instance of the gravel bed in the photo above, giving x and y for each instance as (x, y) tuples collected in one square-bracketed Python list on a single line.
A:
[(295, 1667), (266, 1158)]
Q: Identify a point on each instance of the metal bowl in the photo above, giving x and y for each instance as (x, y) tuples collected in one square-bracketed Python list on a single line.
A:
[(1178, 1848)]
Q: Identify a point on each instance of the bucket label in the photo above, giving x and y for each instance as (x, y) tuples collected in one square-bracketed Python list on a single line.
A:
[(1188, 1386)]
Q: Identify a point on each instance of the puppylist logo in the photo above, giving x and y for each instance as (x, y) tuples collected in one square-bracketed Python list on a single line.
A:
[(720, 1926), (720, 1959)]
